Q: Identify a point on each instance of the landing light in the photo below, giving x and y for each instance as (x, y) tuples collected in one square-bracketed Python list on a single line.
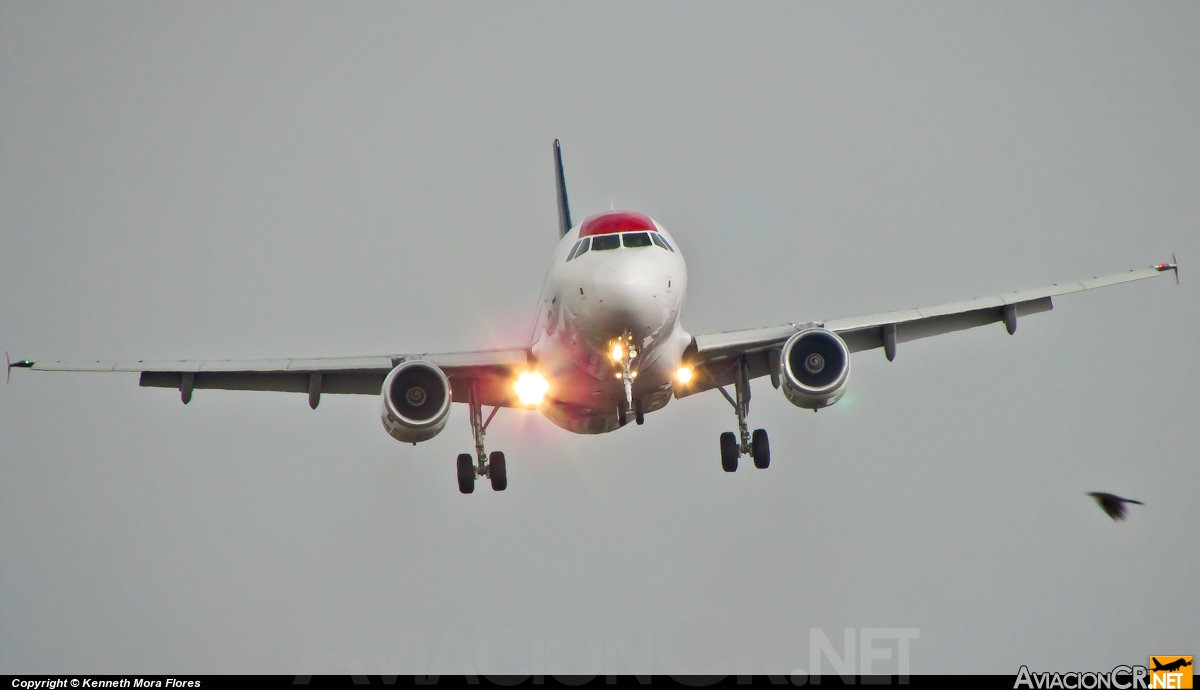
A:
[(618, 353), (684, 374), (531, 387)]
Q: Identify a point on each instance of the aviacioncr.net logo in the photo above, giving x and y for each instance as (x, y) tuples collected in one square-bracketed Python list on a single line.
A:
[(1120, 678)]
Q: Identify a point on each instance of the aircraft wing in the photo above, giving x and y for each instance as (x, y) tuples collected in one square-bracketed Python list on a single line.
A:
[(492, 372), (714, 356)]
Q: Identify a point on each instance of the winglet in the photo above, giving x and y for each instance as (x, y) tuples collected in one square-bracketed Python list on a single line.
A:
[(1173, 266), (23, 364), (560, 181)]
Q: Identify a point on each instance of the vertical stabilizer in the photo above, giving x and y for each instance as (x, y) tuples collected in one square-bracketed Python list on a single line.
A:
[(560, 180)]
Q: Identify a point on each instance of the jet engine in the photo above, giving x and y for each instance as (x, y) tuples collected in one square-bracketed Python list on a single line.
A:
[(814, 365), (416, 401)]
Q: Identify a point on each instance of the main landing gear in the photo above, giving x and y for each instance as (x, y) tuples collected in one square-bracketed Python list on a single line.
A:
[(758, 446), (491, 466)]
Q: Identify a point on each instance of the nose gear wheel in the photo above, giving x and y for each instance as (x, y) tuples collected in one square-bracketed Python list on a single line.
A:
[(623, 354)]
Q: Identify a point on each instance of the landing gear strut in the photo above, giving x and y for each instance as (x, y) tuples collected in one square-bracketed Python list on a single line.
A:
[(493, 467), (623, 353), (743, 443)]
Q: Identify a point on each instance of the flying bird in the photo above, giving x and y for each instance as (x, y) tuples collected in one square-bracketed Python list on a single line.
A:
[(1112, 504)]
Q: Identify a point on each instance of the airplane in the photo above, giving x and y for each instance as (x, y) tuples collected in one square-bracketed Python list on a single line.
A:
[(1179, 663), (607, 346)]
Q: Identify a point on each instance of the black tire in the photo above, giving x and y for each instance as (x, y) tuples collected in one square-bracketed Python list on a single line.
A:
[(760, 449), (639, 414), (622, 416), (729, 452), (497, 471), (466, 473)]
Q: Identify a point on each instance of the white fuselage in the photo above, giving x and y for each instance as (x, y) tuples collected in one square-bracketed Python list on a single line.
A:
[(597, 298)]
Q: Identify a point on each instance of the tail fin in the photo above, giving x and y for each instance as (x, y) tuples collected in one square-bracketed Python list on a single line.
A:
[(564, 209)]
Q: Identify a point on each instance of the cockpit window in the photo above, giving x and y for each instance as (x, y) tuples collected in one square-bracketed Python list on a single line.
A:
[(571, 254), (636, 239), (658, 239), (583, 247), (601, 242)]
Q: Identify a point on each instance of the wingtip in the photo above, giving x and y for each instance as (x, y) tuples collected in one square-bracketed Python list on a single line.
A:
[(20, 364), (1173, 266)]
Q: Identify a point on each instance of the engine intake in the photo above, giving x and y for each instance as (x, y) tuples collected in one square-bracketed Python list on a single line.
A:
[(814, 366), (416, 401)]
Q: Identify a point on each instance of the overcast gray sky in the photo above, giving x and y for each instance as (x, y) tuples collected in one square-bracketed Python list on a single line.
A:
[(237, 180)]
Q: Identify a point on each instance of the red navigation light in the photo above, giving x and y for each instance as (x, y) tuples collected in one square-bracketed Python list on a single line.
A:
[(615, 221)]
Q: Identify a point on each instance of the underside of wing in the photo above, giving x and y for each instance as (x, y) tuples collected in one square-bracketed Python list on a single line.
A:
[(715, 357), (868, 332), (490, 372)]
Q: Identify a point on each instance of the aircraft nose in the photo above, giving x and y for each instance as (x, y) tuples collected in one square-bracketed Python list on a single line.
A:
[(621, 308), (626, 300)]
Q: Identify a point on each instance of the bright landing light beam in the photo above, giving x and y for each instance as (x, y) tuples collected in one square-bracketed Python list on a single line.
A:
[(531, 387)]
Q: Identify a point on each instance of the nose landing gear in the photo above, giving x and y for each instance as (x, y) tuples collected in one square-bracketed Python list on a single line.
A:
[(493, 467), (757, 446), (623, 354)]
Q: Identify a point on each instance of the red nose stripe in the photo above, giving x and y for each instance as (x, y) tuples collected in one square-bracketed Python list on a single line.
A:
[(615, 221)]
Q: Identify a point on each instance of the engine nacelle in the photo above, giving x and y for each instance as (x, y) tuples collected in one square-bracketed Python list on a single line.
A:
[(814, 366), (416, 401)]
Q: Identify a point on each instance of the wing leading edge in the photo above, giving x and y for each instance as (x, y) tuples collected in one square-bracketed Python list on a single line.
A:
[(716, 354)]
